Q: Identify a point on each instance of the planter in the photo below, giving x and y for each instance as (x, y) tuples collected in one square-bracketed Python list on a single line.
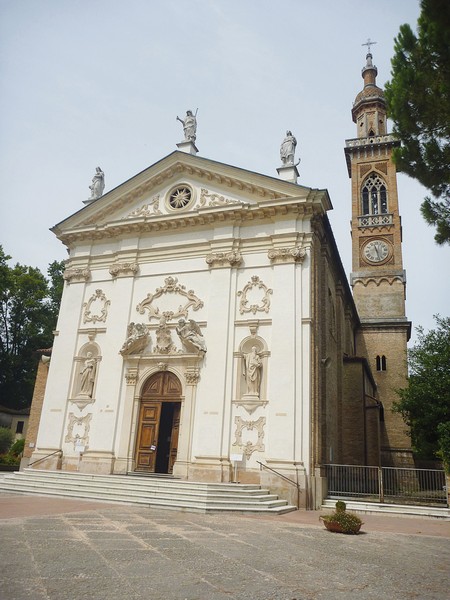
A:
[(336, 528)]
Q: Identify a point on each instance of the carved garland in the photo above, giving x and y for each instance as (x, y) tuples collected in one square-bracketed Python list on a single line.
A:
[(148, 210), (295, 254), (76, 275), (88, 317), (263, 306), (214, 199), (247, 447), (126, 268), (233, 259), (171, 287)]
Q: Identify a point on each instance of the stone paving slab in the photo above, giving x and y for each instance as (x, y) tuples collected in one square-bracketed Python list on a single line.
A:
[(76, 550)]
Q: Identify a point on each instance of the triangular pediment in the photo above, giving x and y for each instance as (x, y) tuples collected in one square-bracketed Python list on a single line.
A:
[(182, 186)]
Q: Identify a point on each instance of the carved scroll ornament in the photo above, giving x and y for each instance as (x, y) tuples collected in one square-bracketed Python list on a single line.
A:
[(247, 447), (211, 199), (171, 287), (98, 297), (263, 305)]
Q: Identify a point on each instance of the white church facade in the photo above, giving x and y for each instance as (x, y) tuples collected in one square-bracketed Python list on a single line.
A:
[(207, 330)]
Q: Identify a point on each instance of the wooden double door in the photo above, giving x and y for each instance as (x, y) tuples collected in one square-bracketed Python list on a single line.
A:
[(159, 424)]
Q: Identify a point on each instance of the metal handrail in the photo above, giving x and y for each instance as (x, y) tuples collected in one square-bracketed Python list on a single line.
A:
[(297, 485), (44, 457)]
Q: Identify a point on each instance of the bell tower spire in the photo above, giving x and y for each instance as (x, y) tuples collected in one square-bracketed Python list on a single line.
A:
[(378, 278)]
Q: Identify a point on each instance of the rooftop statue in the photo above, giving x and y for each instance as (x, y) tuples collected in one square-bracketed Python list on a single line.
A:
[(98, 184), (287, 149), (189, 126)]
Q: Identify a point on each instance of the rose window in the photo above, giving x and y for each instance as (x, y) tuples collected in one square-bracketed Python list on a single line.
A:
[(180, 197)]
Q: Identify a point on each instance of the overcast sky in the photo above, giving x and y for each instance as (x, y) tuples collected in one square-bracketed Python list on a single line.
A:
[(86, 83)]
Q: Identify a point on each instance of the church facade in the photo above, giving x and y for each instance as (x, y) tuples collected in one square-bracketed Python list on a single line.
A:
[(207, 329)]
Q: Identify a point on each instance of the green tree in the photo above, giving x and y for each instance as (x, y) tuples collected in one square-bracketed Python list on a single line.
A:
[(418, 102), (425, 403), (28, 310)]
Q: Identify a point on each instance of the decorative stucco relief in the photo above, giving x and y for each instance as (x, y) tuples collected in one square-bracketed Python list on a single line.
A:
[(247, 446), (164, 342), (192, 376), (147, 210), (96, 308), (124, 269), (295, 254), (377, 280), (264, 303), (138, 337), (131, 376), (78, 429), (171, 287), (211, 199), (220, 259), (74, 275)]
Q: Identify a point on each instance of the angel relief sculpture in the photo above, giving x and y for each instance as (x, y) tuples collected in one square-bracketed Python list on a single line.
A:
[(190, 334), (137, 339)]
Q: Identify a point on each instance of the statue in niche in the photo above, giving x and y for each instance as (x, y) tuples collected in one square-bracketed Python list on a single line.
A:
[(164, 343), (98, 184), (189, 126), (252, 371), (189, 331), (137, 339), (87, 379), (287, 150)]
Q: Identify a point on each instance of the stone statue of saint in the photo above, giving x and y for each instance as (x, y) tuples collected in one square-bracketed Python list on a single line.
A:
[(88, 376), (98, 184), (287, 149), (252, 371), (189, 126), (189, 331)]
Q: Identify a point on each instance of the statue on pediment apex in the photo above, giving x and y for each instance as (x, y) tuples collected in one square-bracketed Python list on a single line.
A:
[(189, 126), (98, 184), (287, 149)]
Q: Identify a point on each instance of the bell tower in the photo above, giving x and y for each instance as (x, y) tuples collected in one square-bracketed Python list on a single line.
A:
[(378, 278)]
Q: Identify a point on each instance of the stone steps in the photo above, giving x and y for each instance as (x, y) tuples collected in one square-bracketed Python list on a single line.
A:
[(146, 491), (386, 509)]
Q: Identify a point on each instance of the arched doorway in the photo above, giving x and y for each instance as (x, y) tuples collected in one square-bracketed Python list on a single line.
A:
[(159, 423)]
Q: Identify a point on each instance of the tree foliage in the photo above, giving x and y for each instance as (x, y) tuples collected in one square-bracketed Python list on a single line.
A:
[(425, 403), (418, 101), (28, 312)]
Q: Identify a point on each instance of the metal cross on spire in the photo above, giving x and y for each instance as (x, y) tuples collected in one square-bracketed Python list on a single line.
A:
[(368, 44)]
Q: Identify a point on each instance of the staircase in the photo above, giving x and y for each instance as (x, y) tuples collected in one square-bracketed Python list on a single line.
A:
[(160, 492)]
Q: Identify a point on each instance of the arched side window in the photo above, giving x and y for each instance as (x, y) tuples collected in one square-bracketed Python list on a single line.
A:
[(374, 196)]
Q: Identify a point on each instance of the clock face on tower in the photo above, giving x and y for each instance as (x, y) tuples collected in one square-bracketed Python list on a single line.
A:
[(376, 251)]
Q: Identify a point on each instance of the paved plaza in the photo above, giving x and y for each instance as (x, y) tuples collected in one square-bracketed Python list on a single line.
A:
[(72, 550)]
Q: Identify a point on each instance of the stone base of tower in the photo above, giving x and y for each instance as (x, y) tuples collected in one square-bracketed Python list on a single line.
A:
[(397, 457)]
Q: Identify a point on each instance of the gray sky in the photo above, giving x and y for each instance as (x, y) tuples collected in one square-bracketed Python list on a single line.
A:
[(99, 82)]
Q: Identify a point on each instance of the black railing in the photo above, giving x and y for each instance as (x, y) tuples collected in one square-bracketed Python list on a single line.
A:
[(297, 485), (387, 484), (44, 457)]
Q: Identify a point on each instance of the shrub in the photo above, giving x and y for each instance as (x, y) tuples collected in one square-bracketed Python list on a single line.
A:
[(342, 521), (6, 439), (18, 447)]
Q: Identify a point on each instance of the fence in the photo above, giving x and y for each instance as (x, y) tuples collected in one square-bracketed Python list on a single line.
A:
[(387, 484)]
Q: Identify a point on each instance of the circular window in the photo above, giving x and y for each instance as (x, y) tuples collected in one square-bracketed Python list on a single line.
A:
[(180, 197)]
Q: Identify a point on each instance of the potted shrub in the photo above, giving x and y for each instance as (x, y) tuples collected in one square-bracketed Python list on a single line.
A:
[(341, 521)]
